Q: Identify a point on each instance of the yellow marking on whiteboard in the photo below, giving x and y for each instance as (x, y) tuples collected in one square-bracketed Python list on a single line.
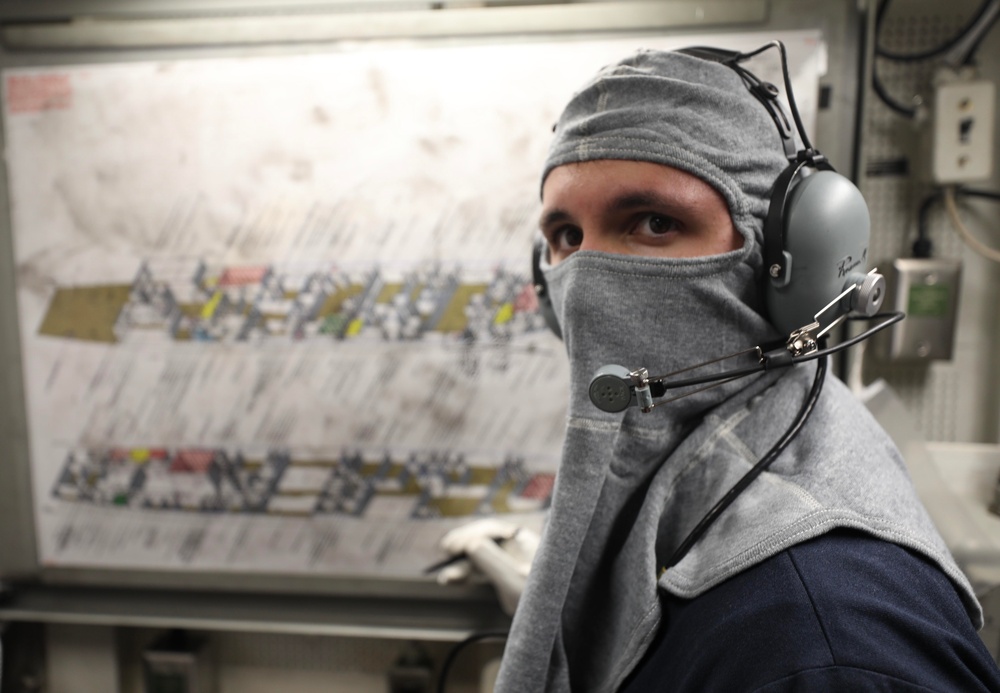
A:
[(504, 315), (388, 292), (335, 301), (355, 327), (139, 455), (209, 308), (87, 313), (455, 507), (453, 317)]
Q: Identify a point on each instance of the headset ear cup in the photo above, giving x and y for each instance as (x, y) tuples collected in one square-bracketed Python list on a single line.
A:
[(824, 224), (542, 289)]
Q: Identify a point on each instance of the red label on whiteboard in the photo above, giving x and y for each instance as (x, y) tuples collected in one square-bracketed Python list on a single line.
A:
[(34, 93)]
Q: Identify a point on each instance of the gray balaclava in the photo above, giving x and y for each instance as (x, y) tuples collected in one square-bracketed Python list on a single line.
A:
[(684, 112), (631, 486)]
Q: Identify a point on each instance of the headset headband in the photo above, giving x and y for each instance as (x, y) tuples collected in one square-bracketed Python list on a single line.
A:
[(775, 257)]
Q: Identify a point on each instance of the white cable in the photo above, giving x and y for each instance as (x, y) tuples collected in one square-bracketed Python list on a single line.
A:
[(970, 240)]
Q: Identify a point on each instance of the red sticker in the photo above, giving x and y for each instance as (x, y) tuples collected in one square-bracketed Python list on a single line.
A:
[(35, 93)]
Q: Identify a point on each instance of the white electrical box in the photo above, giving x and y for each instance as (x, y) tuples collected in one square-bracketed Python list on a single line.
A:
[(960, 146)]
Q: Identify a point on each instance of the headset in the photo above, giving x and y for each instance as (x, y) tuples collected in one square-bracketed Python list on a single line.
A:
[(815, 252)]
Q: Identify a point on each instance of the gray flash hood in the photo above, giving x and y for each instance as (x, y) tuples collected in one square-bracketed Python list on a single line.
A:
[(631, 486)]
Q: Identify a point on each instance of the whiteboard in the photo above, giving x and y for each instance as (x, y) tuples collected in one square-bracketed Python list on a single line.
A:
[(276, 312)]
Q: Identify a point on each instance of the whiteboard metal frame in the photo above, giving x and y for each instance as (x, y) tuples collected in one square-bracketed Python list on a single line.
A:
[(132, 32), (841, 22)]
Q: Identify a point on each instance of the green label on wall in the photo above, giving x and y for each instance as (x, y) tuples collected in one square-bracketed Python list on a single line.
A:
[(929, 301)]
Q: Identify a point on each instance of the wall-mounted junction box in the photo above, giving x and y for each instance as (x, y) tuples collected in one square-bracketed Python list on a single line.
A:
[(927, 291), (959, 141)]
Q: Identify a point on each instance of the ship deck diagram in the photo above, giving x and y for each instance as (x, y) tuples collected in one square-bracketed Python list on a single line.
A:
[(419, 486), (250, 303)]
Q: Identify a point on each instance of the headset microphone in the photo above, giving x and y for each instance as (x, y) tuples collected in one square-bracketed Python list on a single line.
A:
[(609, 388), (615, 388)]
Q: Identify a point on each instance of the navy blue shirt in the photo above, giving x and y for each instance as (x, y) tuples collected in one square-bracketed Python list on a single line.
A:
[(842, 612)]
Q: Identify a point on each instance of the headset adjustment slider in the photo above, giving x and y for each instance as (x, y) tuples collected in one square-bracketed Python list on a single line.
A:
[(813, 157)]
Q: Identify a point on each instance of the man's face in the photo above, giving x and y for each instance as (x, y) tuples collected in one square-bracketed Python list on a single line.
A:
[(633, 208)]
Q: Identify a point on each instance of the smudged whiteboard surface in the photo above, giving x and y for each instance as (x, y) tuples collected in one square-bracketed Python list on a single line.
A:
[(276, 311)]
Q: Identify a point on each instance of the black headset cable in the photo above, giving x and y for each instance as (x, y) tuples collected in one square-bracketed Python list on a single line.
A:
[(879, 88), (800, 419), (936, 50), (454, 652)]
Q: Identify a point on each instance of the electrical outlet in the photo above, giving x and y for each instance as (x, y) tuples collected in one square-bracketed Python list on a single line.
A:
[(961, 128)]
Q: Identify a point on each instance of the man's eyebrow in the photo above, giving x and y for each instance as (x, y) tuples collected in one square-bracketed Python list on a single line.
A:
[(633, 200), (553, 216)]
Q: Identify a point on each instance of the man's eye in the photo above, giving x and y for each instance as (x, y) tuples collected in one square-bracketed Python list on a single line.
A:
[(656, 225), (566, 238)]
